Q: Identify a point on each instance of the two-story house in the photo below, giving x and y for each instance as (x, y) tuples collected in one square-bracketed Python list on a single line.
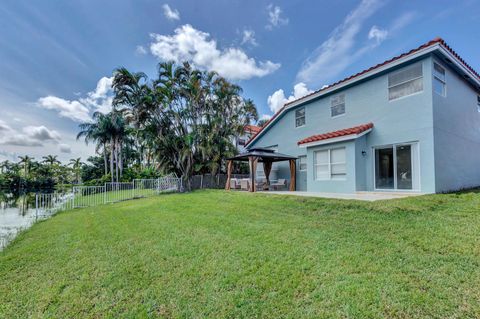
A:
[(248, 133), (409, 124)]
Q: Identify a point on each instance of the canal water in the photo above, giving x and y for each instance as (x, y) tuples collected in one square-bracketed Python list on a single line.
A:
[(17, 212)]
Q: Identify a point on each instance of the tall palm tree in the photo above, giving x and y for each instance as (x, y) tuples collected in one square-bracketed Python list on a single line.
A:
[(51, 160), (76, 164), (99, 132), (26, 162)]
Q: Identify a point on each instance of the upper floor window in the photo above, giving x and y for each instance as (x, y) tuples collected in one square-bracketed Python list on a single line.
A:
[(407, 81), (302, 163), (337, 105), (331, 164), (300, 117), (241, 141), (439, 83)]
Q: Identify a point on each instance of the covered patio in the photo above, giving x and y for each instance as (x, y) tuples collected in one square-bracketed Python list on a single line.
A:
[(267, 157)]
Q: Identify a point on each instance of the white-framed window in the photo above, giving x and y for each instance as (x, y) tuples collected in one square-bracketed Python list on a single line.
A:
[(337, 105), (407, 81), (330, 164), (302, 163), (439, 82), (300, 117)]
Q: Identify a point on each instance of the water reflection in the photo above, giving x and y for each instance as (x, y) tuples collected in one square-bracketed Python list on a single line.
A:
[(17, 212)]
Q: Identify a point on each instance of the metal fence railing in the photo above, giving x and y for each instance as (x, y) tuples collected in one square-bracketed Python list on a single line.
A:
[(87, 196)]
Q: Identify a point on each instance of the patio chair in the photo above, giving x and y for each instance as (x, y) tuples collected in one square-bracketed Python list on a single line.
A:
[(244, 184), (261, 184), (233, 183), (279, 184)]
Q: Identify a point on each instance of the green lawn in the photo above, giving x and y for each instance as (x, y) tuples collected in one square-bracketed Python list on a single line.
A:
[(230, 254)]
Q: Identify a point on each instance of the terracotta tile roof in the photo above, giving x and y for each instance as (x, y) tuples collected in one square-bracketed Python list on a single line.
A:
[(423, 46), (347, 131), (252, 128)]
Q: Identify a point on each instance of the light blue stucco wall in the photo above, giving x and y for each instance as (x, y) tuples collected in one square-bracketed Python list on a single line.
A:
[(456, 134), (408, 119)]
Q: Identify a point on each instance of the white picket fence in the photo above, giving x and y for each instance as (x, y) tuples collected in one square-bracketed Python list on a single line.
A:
[(87, 196)]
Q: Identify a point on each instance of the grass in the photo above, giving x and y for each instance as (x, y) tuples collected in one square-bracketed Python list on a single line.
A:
[(216, 254)]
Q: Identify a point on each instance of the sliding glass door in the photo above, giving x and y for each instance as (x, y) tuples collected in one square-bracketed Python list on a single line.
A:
[(396, 167)]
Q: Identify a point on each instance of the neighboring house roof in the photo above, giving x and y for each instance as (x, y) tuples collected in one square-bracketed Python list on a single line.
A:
[(252, 129), (347, 133), (435, 44)]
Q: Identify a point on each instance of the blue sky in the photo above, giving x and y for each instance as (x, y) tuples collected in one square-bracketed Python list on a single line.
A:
[(57, 57)]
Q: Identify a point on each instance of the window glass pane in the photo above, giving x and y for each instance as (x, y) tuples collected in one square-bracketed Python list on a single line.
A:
[(337, 109), (409, 73), (321, 157), (300, 122), (338, 155), (405, 89), (339, 169), (439, 87), (384, 178), (322, 171), (300, 112), (404, 167), (339, 99), (439, 72)]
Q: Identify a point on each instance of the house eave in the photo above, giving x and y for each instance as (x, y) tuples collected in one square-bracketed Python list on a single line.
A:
[(334, 139)]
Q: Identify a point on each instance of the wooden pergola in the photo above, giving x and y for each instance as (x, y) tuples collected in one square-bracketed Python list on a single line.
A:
[(265, 156)]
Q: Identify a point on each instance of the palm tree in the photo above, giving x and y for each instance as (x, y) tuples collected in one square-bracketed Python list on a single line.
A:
[(76, 164), (51, 160), (99, 132), (26, 161)]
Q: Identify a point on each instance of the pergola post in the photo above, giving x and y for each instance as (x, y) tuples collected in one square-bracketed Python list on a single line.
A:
[(229, 174), (293, 173), (252, 160)]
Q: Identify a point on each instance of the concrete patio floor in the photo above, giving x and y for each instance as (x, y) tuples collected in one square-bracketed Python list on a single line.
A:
[(366, 196)]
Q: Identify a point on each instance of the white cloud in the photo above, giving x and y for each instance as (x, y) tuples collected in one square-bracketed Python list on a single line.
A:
[(73, 110), (379, 35), (338, 51), (20, 140), (170, 14), (278, 99), (140, 50), (65, 148), (275, 18), (28, 136), (249, 37), (41, 133), (189, 44), (79, 110), (4, 126)]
